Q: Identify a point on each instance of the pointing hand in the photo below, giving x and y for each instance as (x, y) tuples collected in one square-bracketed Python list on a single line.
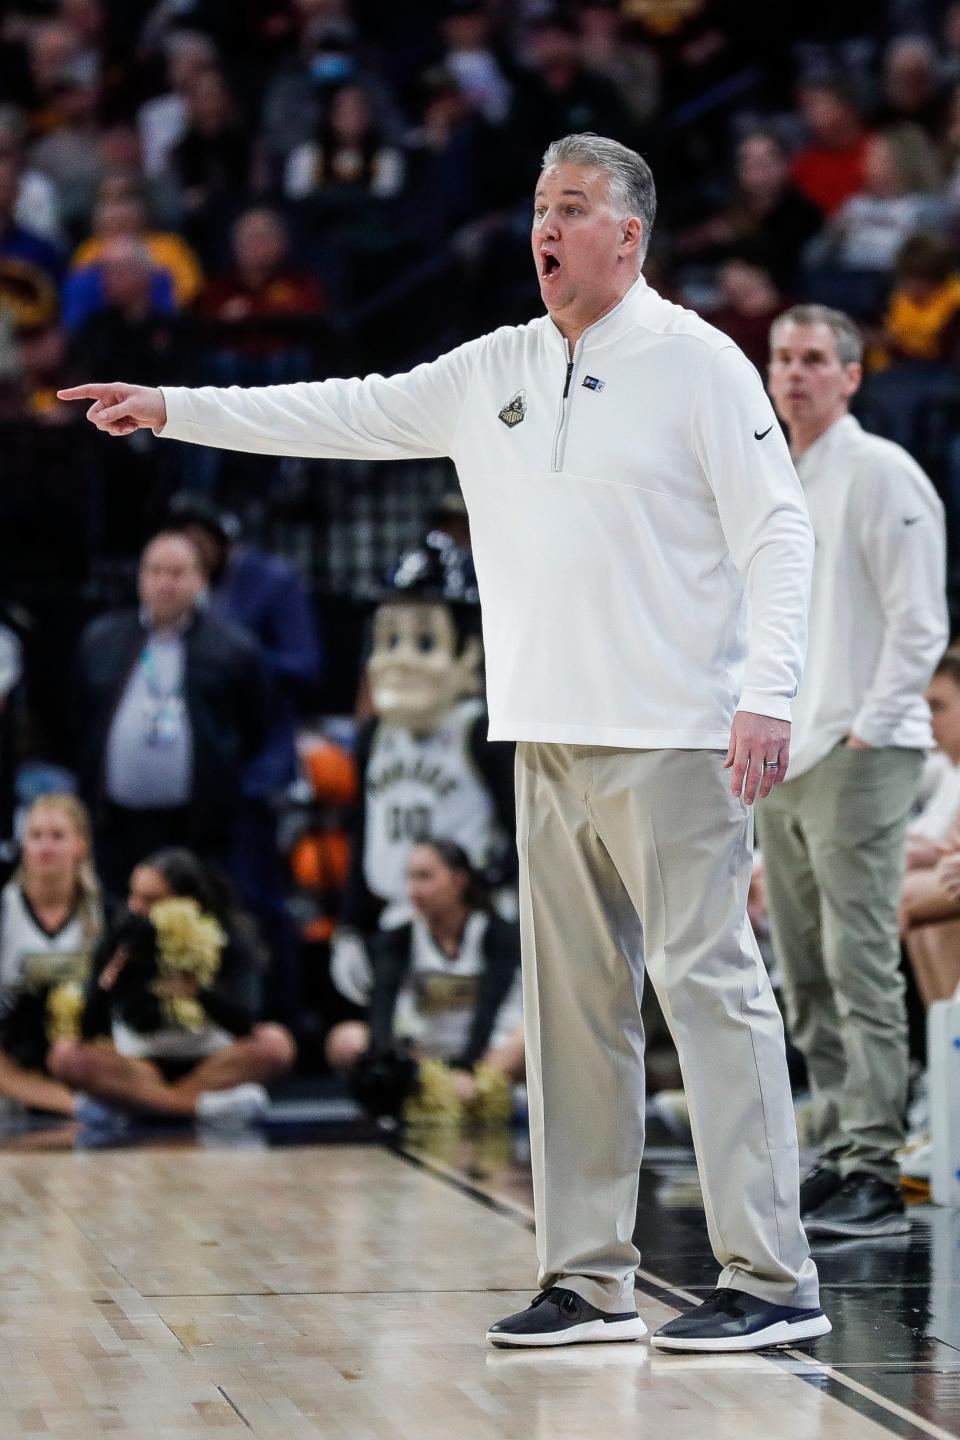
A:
[(120, 409)]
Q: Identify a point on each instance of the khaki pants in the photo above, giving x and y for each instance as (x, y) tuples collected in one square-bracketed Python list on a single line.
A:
[(833, 854), (624, 852)]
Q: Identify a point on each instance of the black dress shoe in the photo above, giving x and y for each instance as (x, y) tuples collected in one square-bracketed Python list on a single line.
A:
[(562, 1317), (864, 1206), (733, 1320), (817, 1186)]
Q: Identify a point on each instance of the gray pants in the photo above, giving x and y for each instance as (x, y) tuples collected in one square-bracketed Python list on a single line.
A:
[(621, 852), (833, 852)]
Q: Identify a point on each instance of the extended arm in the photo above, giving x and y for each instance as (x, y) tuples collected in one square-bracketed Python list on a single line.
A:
[(400, 417)]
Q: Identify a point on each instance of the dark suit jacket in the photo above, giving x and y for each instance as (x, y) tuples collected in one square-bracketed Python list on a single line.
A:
[(227, 698), (267, 597)]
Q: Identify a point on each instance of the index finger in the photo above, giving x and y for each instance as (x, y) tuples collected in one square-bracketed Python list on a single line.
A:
[(84, 392)]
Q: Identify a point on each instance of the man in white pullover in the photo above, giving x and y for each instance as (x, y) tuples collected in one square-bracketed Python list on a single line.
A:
[(628, 488), (833, 835)]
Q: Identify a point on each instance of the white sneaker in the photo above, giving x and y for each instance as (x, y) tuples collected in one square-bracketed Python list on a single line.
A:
[(240, 1105), (671, 1109), (915, 1160)]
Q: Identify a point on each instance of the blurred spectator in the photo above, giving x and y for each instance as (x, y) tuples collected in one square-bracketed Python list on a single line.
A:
[(749, 304), (832, 167), (296, 103), (950, 53), (11, 676), (452, 155), (899, 196), (471, 60), (85, 291), (938, 802), (162, 121), (169, 705), (55, 63), (122, 212), (88, 20), (923, 318), (212, 162), (950, 153), (265, 597), (169, 1025), (768, 221), (930, 904), (349, 153), (912, 87), (42, 353), (51, 921), (447, 982), (68, 152), (262, 282), (558, 95), (30, 265), (607, 49), (121, 165), (127, 332), (36, 207)]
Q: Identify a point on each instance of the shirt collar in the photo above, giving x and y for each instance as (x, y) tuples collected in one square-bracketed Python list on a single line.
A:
[(180, 628), (615, 321), (837, 433)]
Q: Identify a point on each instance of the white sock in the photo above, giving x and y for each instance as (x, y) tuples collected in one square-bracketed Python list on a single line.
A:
[(240, 1105)]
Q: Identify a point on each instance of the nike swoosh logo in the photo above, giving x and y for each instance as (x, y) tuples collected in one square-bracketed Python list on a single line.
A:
[(912, 519), (757, 435)]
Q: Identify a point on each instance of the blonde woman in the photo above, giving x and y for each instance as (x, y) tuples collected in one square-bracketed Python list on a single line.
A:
[(51, 920)]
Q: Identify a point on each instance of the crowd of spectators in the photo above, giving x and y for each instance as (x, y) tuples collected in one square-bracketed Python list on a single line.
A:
[(252, 193), (302, 160)]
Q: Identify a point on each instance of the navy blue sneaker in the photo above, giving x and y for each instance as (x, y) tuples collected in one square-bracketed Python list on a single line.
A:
[(863, 1207), (562, 1317), (733, 1320)]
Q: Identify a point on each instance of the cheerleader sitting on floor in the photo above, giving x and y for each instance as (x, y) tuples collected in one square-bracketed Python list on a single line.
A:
[(445, 1036), (51, 921), (169, 1022)]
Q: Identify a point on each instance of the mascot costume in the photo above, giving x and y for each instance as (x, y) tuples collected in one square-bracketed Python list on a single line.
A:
[(425, 765)]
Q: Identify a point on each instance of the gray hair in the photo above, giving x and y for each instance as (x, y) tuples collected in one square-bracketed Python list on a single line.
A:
[(630, 184), (845, 331)]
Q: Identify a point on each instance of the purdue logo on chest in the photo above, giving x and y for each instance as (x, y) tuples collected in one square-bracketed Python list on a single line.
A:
[(514, 410)]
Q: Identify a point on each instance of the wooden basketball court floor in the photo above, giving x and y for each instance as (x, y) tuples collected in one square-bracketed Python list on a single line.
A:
[(183, 1288)]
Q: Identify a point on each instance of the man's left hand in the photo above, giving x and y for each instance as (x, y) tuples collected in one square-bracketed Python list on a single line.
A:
[(759, 754), (853, 742)]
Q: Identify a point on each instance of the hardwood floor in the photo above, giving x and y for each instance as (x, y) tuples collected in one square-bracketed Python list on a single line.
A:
[(337, 1292)]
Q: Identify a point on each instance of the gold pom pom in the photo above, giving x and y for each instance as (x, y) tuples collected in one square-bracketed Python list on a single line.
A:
[(492, 1103), (64, 1011), (189, 945), (435, 1102)]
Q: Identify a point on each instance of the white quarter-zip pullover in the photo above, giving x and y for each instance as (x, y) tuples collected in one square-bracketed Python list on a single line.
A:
[(623, 503), (878, 615)]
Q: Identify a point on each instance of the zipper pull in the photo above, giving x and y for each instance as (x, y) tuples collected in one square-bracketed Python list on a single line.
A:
[(566, 383)]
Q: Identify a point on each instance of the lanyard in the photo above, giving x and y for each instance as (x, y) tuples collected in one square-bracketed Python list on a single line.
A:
[(151, 675)]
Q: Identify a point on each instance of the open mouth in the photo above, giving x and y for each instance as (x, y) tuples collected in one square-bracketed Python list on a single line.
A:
[(549, 266)]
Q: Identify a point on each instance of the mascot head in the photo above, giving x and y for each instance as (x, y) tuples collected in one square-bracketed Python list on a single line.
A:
[(426, 651)]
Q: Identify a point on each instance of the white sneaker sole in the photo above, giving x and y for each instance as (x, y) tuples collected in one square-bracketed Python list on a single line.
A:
[(898, 1225), (590, 1332), (785, 1332)]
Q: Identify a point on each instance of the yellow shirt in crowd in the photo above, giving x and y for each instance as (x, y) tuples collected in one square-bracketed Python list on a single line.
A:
[(916, 327), (167, 251)]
